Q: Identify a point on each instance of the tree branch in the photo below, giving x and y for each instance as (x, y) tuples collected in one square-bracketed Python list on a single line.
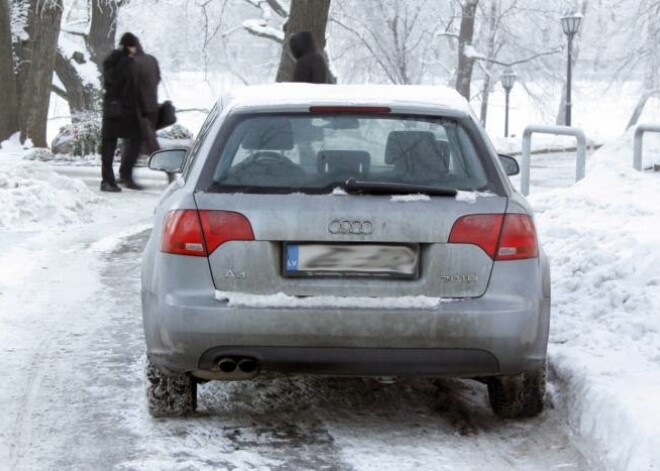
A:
[(261, 29), (75, 33), (277, 8), (521, 61), (60, 92)]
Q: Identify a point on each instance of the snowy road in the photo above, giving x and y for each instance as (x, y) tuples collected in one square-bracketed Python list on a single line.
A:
[(72, 396)]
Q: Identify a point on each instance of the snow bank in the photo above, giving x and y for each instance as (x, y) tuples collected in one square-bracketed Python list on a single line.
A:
[(33, 196), (603, 238)]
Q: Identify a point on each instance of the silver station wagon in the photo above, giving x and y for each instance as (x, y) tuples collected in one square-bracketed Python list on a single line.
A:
[(344, 230)]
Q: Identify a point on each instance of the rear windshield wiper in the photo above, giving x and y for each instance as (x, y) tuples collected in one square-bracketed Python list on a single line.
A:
[(356, 186)]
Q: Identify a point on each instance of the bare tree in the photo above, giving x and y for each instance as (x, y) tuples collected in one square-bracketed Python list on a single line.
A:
[(494, 44), (398, 43), (9, 119), (645, 56), (36, 56), (304, 15)]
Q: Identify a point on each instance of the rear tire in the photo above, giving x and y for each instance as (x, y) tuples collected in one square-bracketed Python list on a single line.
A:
[(170, 396), (518, 396)]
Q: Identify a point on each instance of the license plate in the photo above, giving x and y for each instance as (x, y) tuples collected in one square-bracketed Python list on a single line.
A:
[(359, 260)]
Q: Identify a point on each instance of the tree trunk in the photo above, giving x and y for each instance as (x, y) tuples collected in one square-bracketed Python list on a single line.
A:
[(305, 15), (485, 96), (9, 123), (80, 96), (44, 30), (102, 30), (465, 62), (493, 22)]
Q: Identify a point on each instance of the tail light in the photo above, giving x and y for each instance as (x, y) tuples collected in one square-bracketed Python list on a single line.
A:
[(223, 226), (182, 234), (501, 236), (518, 239), (199, 233)]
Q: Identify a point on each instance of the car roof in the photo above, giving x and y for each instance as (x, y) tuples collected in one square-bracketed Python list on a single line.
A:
[(433, 99)]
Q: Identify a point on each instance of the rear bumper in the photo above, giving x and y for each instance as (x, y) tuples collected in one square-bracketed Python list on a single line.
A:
[(503, 332), (360, 361)]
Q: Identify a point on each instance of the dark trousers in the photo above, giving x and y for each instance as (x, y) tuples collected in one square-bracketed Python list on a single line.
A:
[(133, 146), (129, 156), (108, 149)]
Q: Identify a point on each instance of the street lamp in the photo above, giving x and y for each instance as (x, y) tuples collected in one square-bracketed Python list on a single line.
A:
[(508, 79), (571, 25)]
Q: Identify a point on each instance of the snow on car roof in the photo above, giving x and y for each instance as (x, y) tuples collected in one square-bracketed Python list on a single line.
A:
[(304, 94)]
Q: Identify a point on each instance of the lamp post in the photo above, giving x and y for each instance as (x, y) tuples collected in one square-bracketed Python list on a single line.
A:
[(508, 79), (571, 25)]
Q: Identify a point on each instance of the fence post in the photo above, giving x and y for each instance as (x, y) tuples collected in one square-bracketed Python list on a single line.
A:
[(581, 163), (639, 134)]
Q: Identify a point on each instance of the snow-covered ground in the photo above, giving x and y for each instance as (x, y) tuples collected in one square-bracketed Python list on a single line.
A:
[(603, 237), (72, 351), (72, 394)]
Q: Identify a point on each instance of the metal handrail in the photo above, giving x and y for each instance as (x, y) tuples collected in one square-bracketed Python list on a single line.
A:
[(639, 134), (555, 130)]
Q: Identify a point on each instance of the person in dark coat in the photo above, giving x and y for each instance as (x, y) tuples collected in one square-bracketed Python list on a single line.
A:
[(148, 78), (120, 108), (310, 65)]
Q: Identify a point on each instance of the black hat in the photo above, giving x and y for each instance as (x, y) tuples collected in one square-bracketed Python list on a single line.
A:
[(129, 40)]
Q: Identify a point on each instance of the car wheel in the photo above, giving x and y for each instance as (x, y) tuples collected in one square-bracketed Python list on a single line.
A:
[(518, 396), (170, 396)]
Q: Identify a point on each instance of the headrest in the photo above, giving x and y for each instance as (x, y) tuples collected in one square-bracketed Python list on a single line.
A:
[(268, 133), (402, 144), (344, 162)]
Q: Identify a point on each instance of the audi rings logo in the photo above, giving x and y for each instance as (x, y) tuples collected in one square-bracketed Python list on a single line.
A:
[(350, 227)]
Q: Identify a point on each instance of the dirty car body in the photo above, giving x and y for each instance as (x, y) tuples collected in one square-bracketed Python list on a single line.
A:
[(344, 230)]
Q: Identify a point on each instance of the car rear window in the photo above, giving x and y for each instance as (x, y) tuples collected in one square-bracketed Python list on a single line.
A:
[(317, 153)]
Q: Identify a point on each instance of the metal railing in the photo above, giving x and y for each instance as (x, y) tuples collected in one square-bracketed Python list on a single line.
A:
[(555, 130), (639, 134)]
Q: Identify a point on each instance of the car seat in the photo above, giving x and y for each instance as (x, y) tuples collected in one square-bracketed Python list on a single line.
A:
[(415, 155), (343, 164)]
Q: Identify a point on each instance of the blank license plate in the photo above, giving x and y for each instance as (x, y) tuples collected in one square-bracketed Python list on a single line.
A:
[(305, 260)]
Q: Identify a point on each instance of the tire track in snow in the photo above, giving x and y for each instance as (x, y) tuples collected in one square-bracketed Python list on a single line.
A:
[(23, 422)]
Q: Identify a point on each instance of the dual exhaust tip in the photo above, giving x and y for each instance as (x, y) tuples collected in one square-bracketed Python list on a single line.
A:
[(244, 365)]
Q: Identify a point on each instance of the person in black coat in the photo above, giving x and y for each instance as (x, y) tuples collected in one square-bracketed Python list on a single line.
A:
[(120, 107), (310, 65), (147, 80)]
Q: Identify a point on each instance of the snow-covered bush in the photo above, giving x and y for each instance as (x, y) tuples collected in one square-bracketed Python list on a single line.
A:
[(81, 137), (175, 132)]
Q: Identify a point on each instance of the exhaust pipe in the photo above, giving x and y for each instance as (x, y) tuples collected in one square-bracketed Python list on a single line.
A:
[(231, 369), (247, 365), (227, 365)]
